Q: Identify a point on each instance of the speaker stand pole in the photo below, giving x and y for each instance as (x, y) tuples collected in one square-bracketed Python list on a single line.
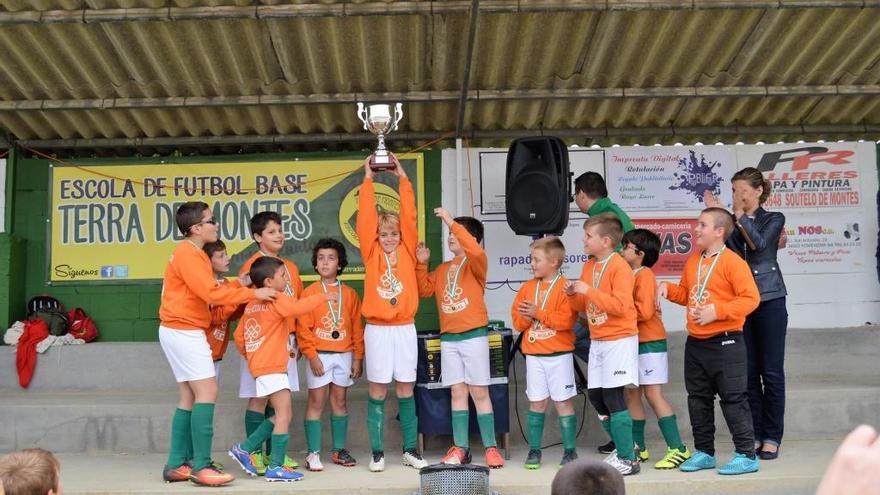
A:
[(459, 187)]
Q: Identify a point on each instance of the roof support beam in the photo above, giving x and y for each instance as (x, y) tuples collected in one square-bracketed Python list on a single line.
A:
[(473, 95), (466, 77), (344, 9), (601, 134)]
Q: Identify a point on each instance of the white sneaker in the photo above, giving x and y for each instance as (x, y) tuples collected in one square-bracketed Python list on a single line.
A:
[(412, 458), (377, 461), (624, 466), (313, 462), (610, 457)]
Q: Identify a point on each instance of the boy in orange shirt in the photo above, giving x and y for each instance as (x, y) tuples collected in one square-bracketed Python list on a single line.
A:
[(459, 286), (268, 234), (187, 291), (266, 334), (542, 312), (719, 291), (605, 293), (331, 338), (641, 249), (218, 333), (391, 298)]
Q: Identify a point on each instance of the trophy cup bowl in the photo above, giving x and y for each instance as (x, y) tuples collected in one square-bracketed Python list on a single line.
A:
[(378, 120)]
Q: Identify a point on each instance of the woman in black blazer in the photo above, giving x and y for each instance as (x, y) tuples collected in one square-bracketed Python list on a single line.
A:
[(756, 239)]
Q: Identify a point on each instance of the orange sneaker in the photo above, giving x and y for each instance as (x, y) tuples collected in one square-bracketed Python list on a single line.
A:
[(493, 458), (210, 476), (456, 455), (180, 473)]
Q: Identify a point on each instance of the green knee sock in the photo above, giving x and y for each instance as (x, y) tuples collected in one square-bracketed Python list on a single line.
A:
[(639, 433), (536, 429), (606, 425), (313, 435), (487, 429), (252, 421), (270, 411), (376, 423), (622, 434), (202, 426), (279, 449), (460, 427), (339, 429), (261, 434), (669, 429), (181, 438), (409, 423), (568, 428)]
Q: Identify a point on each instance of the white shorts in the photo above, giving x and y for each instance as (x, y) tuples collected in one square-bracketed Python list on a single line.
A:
[(465, 361), (188, 353), (391, 353), (247, 386), (269, 384), (550, 376), (614, 363), (653, 368), (337, 369), (217, 371)]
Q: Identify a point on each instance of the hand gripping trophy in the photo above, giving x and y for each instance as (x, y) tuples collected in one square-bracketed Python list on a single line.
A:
[(377, 119)]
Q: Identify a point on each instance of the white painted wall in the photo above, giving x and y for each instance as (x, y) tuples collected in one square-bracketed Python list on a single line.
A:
[(814, 300)]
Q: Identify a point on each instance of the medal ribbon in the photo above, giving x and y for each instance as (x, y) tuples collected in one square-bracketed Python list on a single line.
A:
[(335, 316), (392, 280), (702, 283), (452, 284)]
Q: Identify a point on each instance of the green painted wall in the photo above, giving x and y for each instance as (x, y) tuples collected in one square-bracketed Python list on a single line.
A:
[(129, 312)]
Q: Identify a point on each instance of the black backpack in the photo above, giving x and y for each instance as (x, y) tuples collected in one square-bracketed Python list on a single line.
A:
[(51, 311)]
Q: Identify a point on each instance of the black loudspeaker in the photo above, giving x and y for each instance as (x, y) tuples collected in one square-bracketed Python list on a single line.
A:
[(537, 186)]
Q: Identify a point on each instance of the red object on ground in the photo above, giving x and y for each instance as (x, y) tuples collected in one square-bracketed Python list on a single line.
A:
[(35, 331)]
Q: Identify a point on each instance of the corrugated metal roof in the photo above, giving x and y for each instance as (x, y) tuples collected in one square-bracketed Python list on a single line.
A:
[(406, 54)]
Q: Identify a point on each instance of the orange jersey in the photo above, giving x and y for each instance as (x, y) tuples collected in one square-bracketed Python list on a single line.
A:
[(394, 299), (464, 308), (317, 332), (189, 287), (265, 332), (645, 297), (296, 285), (218, 333), (550, 331), (730, 287), (610, 309)]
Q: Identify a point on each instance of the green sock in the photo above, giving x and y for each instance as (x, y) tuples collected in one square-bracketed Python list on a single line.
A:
[(270, 411), (376, 423), (568, 428), (339, 429), (202, 425), (252, 421), (622, 434), (313, 435), (460, 427), (487, 429), (279, 449), (409, 423), (181, 438), (639, 433), (606, 425), (255, 440), (536, 429), (669, 429)]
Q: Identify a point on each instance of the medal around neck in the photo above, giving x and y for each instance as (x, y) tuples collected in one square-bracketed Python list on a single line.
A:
[(378, 120)]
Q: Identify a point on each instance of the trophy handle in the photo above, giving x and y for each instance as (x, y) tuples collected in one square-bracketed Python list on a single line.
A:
[(362, 115), (398, 115)]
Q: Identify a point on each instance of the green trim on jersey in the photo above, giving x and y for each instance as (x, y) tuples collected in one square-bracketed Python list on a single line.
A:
[(466, 335), (653, 346)]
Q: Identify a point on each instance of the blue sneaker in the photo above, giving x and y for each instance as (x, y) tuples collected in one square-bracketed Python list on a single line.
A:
[(700, 460), (740, 464), (243, 458), (282, 473)]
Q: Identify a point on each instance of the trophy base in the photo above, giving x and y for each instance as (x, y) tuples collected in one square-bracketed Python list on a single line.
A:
[(381, 163)]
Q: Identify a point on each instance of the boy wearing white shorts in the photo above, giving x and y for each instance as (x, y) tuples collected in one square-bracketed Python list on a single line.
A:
[(331, 338), (542, 313), (265, 329), (641, 249), (605, 293), (221, 315), (459, 286), (187, 291), (388, 249)]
